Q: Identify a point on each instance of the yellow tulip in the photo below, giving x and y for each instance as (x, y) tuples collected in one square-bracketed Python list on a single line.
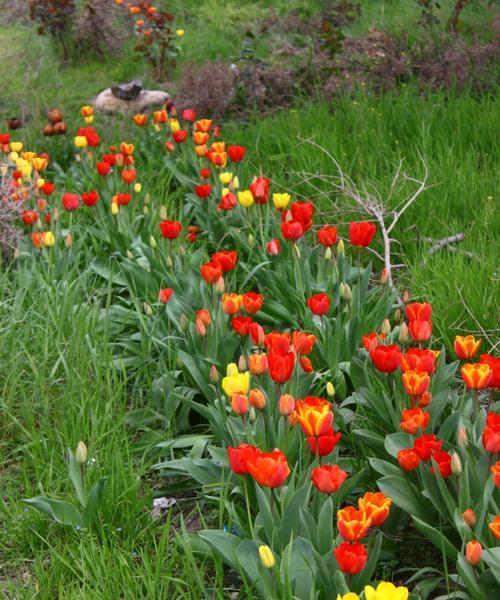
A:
[(89, 119), (13, 156), (80, 141), (225, 178), (266, 556), (114, 208), (40, 183), (16, 146), (29, 156), (137, 188), (231, 369), (157, 127), (245, 198), (281, 200), (48, 239), (236, 183), (386, 591), (236, 383), (39, 164), (179, 32), (348, 596), (174, 125)]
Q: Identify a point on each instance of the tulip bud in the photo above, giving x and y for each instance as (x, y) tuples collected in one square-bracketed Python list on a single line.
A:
[(137, 187), (235, 183), (239, 404), (147, 199), (68, 240), (201, 330), (251, 240), (16, 254), (328, 253), (469, 517), (214, 374), (81, 453), (295, 250), (55, 214), (456, 464), (257, 399), (163, 213), (266, 556), (114, 208), (145, 210), (286, 404), (473, 552), (152, 242), (386, 327), (330, 390), (341, 247), (147, 309), (462, 438), (397, 315), (178, 362), (183, 322), (130, 255), (406, 296), (220, 286), (404, 334), (345, 292), (384, 277), (252, 415), (242, 364), (181, 251), (231, 369), (169, 262)]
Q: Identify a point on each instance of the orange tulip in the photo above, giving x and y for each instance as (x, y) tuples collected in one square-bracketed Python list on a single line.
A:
[(269, 469), (352, 524), (303, 342), (200, 137), (415, 383), (140, 120), (231, 303), (466, 346), (376, 507), (257, 399), (495, 471), (127, 149), (414, 420), (473, 552), (314, 415), (495, 527), (286, 405), (203, 125), (469, 517), (160, 116), (476, 375), (257, 363), (239, 403), (201, 151)]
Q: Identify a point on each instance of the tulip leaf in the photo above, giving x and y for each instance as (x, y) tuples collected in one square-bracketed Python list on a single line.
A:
[(90, 514), (265, 517), (384, 467), (364, 577), (491, 557), (405, 495), (325, 527), (58, 510), (440, 541), (468, 576)]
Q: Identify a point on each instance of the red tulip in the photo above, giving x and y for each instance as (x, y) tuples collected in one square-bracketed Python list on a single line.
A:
[(351, 558), (323, 445), (170, 229), (273, 247), (319, 304), (226, 259), (48, 188), (419, 311), (443, 460), (211, 272), (303, 342), (494, 364), (281, 366), (328, 478), (292, 230), (260, 189), (426, 445), (188, 114), (277, 343), (257, 335), (103, 168), (180, 136), (90, 198), (269, 469), (239, 456), (414, 420), (164, 295), (303, 213), (416, 359), (29, 217), (361, 233), (408, 459), (203, 190), (91, 135), (70, 201), (420, 331), (205, 173), (371, 340), (241, 325), (306, 364), (252, 302), (327, 236), (491, 433), (123, 199), (236, 153), (386, 358)]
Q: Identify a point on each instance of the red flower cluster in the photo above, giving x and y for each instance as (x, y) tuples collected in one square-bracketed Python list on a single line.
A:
[(425, 448), (268, 469)]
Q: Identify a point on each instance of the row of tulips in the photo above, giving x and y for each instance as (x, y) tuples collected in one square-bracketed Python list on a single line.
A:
[(313, 383)]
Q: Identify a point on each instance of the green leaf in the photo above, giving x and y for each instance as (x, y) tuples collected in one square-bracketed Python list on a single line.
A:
[(405, 495), (91, 512), (61, 512), (441, 542), (325, 527), (468, 576), (384, 467)]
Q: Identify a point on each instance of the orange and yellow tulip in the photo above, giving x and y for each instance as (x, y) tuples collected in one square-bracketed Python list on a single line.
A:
[(466, 346), (476, 375)]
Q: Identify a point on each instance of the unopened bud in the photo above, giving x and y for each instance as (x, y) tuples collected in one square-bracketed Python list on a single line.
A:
[(179, 364), (406, 296), (183, 322), (286, 404), (152, 242), (130, 255), (81, 453), (55, 214), (68, 240), (114, 208), (242, 364), (456, 464), (384, 277), (252, 415), (163, 213), (397, 315), (214, 374), (147, 309), (181, 250), (220, 286), (473, 552), (345, 292), (328, 253), (169, 262), (266, 557), (386, 327), (201, 330), (296, 250), (404, 334), (462, 439), (257, 399), (147, 199), (469, 517), (341, 247), (235, 183), (251, 240), (137, 188), (145, 210), (330, 390)]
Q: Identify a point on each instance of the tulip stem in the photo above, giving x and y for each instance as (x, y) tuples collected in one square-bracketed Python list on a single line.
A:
[(477, 406), (249, 514)]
